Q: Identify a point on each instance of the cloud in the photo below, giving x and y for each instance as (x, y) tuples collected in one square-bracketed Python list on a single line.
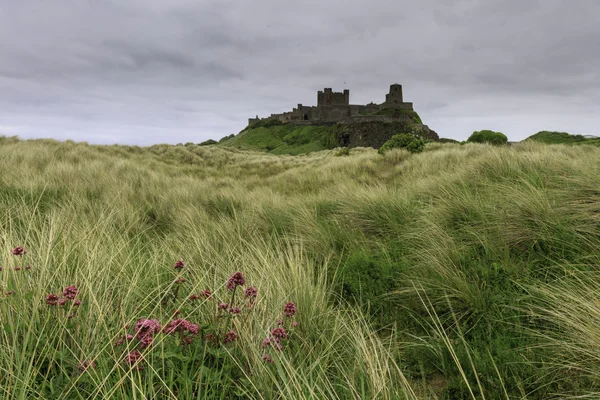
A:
[(151, 71)]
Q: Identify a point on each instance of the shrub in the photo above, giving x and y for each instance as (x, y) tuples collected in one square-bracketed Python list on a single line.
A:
[(403, 141), (208, 142), (344, 151), (487, 136)]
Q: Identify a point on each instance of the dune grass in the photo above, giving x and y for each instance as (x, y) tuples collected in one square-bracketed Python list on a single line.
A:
[(460, 272)]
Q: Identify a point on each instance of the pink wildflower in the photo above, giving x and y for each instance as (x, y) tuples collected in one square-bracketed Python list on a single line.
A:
[(230, 337), (19, 251), (266, 342), (235, 280), (82, 366), (133, 357), (279, 333), (272, 341), (146, 327), (17, 268), (146, 341), (70, 292), (77, 303), (28, 267), (51, 299), (268, 359), (206, 293), (62, 302), (10, 292), (177, 325), (235, 310), (289, 309), (251, 292), (179, 264), (179, 280), (194, 297), (295, 324), (279, 322), (223, 306)]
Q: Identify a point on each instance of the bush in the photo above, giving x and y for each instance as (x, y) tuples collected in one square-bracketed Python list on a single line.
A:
[(403, 141), (344, 151), (487, 136), (208, 142)]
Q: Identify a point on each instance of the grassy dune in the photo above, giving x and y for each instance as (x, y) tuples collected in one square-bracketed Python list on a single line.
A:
[(461, 272)]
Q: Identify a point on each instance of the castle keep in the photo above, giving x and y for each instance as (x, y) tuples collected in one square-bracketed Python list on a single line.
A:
[(335, 106)]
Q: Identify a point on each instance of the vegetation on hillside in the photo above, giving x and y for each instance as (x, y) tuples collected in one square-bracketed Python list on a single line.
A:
[(551, 137), (460, 272), (489, 137), (277, 138), (405, 141)]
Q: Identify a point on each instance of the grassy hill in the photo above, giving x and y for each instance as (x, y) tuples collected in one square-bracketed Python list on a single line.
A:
[(466, 271), (276, 138), (550, 137), (285, 139)]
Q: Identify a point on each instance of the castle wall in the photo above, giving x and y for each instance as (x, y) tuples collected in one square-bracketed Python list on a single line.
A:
[(335, 106), (405, 106)]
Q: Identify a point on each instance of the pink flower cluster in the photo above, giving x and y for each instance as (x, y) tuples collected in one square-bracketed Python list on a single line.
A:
[(133, 357), (251, 292), (230, 336), (83, 366), (179, 264), (69, 293), (279, 333), (235, 280), (19, 251), (145, 329), (186, 330), (205, 293), (289, 309)]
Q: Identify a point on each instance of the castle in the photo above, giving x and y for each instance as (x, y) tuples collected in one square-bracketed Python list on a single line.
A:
[(334, 106)]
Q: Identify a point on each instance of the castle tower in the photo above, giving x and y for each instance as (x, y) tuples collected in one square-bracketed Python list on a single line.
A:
[(327, 97), (395, 94)]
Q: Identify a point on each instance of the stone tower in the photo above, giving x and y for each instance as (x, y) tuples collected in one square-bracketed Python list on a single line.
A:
[(395, 94)]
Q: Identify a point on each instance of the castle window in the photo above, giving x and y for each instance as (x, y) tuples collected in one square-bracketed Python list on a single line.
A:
[(306, 117)]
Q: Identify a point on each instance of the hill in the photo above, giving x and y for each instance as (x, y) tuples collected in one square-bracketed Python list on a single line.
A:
[(298, 138), (551, 137), (466, 271)]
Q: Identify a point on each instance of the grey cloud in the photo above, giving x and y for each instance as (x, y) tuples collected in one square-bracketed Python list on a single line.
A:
[(146, 71)]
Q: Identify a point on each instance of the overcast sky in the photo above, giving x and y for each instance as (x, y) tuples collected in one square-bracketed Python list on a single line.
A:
[(170, 71)]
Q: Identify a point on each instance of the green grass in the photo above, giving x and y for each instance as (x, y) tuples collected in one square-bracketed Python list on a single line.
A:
[(466, 271), (284, 139)]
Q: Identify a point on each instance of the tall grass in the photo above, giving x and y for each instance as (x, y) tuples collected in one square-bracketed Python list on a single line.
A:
[(462, 272)]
